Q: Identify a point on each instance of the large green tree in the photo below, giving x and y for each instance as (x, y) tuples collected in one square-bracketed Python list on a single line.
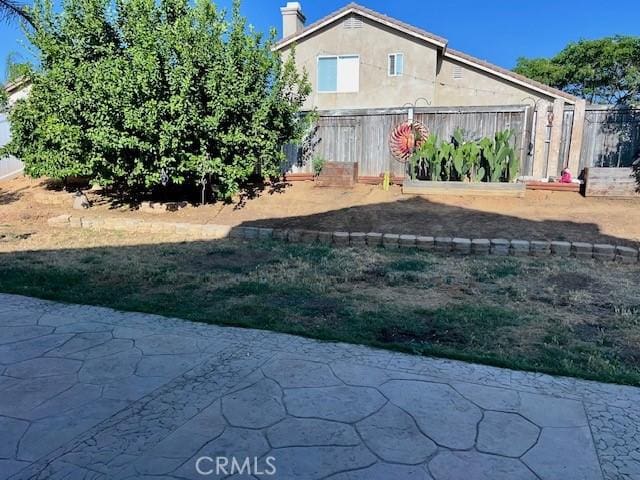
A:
[(135, 93), (601, 71)]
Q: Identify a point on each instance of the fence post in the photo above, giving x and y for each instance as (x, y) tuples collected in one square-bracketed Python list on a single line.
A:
[(540, 148), (556, 137), (577, 132)]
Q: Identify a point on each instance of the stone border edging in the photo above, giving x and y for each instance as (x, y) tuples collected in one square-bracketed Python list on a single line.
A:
[(463, 246)]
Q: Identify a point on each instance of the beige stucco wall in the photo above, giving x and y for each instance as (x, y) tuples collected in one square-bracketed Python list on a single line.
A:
[(477, 88), (373, 43), (19, 94)]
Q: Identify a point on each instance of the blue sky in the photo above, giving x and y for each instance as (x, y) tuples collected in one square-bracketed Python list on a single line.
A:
[(498, 31)]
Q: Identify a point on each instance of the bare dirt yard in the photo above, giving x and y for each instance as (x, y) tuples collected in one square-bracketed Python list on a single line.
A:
[(538, 216), (566, 316)]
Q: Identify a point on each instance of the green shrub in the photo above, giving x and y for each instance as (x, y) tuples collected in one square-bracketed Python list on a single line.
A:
[(135, 94)]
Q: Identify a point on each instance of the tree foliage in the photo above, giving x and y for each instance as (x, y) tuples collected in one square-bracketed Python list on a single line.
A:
[(602, 71), (133, 93), (12, 10)]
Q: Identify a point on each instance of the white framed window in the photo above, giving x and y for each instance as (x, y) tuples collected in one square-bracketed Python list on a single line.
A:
[(396, 64), (338, 73)]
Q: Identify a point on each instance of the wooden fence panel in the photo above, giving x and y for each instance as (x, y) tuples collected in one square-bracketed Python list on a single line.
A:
[(611, 137), (363, 135)]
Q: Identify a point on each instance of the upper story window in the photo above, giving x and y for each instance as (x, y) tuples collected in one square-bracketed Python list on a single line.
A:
[(338, 73), (396, 64)]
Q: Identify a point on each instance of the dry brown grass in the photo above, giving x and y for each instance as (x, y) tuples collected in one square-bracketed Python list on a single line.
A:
[(563, 316)]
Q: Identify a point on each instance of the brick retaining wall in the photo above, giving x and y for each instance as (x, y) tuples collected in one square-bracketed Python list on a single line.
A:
[(461, 246)]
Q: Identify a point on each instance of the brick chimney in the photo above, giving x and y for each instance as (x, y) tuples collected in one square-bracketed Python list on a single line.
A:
[(292, 19)]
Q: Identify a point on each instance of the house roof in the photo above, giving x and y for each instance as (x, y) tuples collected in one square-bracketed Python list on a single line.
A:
[(354, 8), (367, 13), (17, 84), (508, 75)]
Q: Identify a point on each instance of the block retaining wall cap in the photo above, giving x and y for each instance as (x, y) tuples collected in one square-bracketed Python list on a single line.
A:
[(425, 243), (495, 246), (265, 233), (237, 232), (462, 245), (280, 234), (626, 255), (500, 246), (358, 238), (519, 248), (407, 240), (581, 249), (604, 252), (540, 248), (308, 236), (374, 239), (480, 246), (443, 243), (562, 249), (294, 236), (390, 239), (325, 238), (341, 238)]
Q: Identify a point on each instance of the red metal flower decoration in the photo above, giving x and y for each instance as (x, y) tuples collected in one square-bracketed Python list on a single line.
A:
[(406, 138)]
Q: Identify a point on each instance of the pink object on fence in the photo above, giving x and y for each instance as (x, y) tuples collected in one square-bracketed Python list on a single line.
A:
[(566, 176)]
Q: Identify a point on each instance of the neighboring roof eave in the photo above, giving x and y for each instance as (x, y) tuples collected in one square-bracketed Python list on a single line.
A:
[(354, 8), (17, 85), (509, 75)]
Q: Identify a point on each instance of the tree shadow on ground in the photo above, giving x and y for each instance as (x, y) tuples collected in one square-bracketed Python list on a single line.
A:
[(7, 197), (420, 216)]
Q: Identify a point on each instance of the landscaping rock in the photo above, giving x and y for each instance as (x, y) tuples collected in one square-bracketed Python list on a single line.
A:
[(162, 207), (374, 239), (59, 221), (480, 246), (604, 251), (519, 248), (407, 240), (326, 238), (499, 246), (540, 248), (425, 243), (626, 255), (341, 239), (561, 249), (462, 245), (581, 249), (390, 240), (443, 244), (358, 238), (80, 201)]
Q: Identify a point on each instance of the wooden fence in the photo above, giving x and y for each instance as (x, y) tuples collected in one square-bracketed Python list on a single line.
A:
[(611, 136), (363, 135)]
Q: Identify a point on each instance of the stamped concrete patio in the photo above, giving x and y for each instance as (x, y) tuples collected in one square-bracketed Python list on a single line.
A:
[(89, 392)]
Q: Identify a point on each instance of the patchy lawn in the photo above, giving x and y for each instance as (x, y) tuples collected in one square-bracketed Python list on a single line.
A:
[(569, 317)]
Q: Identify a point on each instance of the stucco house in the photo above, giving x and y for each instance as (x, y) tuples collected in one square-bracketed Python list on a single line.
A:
[(359, 58)]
